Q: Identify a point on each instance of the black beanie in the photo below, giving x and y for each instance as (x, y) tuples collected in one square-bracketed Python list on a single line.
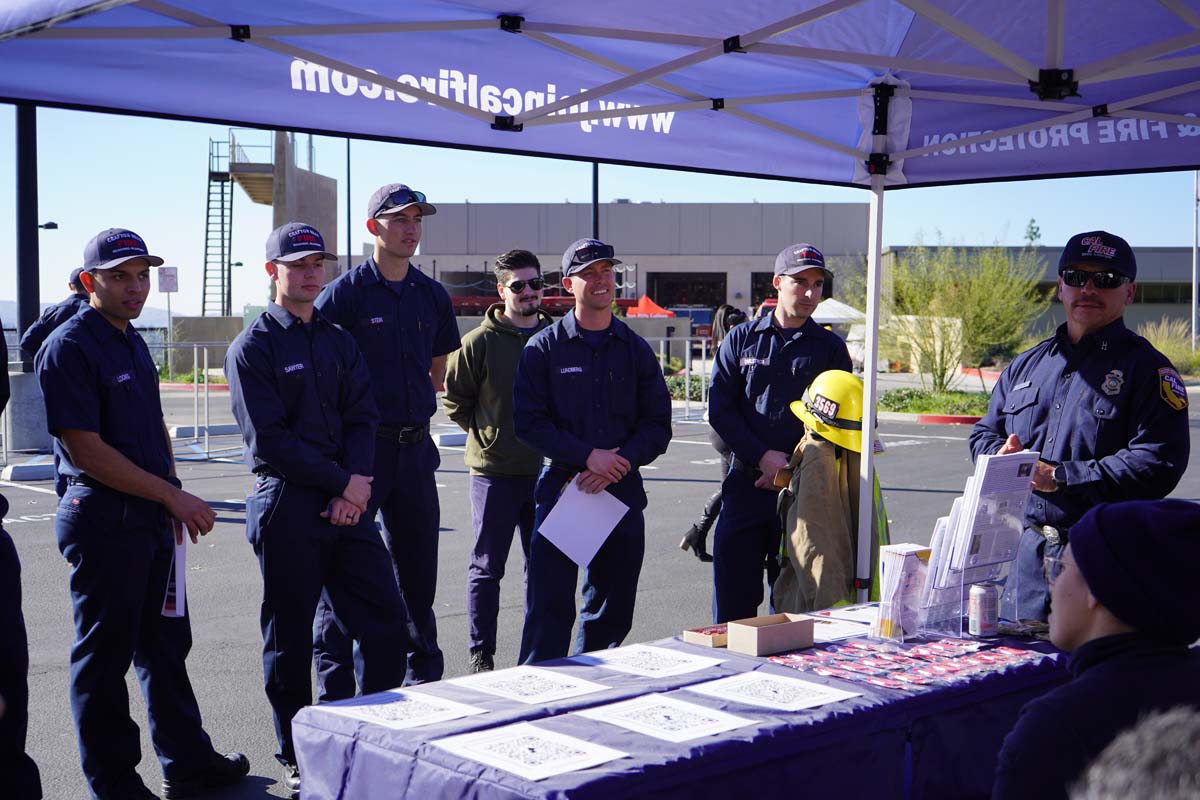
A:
[(1139, 560)]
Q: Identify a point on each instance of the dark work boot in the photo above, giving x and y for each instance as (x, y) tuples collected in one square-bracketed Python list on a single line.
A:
[(481, 661), (696, 539)]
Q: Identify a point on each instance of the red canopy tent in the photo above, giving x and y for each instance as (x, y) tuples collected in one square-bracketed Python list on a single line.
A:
[(648, 308)]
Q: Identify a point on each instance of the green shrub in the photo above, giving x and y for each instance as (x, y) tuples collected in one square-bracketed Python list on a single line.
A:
[(675, 386), (671, 365), (925, 401), (1173, 338), (187, 377)]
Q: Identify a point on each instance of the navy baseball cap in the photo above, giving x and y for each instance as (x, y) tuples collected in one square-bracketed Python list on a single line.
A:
[(394, 198), (1102, 249), (113, 247), (582, 253), (295, 241), (74, 279), (799, 257), (1124, 550)]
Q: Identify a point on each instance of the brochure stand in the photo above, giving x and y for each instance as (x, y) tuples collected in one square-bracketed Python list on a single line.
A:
[(944, 614)]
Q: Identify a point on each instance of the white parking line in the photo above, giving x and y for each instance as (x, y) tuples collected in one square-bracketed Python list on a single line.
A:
[(27, 486)]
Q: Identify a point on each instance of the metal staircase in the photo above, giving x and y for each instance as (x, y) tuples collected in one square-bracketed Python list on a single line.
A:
[(218, 233)]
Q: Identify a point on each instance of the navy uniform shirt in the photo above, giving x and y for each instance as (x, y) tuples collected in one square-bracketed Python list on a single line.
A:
[(301, 394), (99, 379), (570, 398), (760, 370), (1117, 681), (1111, 409), (399, 331), (50, 319)]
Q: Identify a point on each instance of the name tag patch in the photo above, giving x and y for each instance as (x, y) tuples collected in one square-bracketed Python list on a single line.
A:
[(124, 376), (751, 361), (293, 368), (376, 320), (568, 370)]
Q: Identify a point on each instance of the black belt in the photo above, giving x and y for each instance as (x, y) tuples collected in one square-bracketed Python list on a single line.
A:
[(262, 470), (410, 434), (86, 480)]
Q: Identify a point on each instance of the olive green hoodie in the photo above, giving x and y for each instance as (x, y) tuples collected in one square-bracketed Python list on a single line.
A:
[(479, 395)]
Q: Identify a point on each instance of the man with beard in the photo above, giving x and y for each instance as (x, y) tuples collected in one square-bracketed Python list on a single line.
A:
[(479, 391), (1107, 412)]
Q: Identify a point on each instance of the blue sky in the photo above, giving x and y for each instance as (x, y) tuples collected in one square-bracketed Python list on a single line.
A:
[(99, 171)]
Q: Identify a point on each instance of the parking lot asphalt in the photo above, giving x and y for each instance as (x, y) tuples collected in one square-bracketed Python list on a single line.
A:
[(924, 469)]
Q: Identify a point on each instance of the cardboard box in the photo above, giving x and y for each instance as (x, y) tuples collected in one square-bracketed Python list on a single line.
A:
[(774, 633), (708, 636)]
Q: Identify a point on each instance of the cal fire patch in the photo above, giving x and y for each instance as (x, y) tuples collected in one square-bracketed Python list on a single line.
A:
[(1171, 388)]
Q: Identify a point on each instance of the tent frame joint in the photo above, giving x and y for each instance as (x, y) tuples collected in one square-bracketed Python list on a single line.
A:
[(511, 23), (239, 33), (1055, 84), (718, 103), (1100, 110), (733, 44), (878, 163), (506, 123)]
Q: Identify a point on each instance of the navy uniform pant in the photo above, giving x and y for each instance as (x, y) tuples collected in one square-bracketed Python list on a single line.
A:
[(18, 773), (120, 549), (404, 494), (747, 534), (301, 554), (1026, 595), (609, 586), (500, 505)]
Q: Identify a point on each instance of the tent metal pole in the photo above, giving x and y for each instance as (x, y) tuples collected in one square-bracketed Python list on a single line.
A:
[(349, 215), (27, 223), (1195, 248), (866, 483), (595, 199)]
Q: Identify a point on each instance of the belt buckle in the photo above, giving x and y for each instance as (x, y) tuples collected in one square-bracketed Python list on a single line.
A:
[(1051, 534)]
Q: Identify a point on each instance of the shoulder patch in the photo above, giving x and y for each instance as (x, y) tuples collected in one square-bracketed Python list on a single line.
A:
[(1171, 388)]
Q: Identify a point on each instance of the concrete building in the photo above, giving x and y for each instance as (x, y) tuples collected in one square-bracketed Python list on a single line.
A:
[(700, 254)]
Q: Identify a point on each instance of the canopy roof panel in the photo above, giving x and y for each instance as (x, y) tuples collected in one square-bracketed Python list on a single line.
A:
[(772, 88)]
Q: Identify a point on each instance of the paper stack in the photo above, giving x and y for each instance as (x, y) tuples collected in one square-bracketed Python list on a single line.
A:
[(902, 569)]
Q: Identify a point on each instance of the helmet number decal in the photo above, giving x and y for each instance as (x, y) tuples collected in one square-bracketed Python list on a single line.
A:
[(824, 407)]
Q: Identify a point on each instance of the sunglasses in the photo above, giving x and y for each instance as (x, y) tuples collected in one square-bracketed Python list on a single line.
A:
[(1101, 280), (516, 287), (1052, 567), (402, 197), (593, 252)]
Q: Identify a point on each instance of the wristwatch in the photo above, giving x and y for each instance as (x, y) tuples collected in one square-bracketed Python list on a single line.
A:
[(1060, 477)]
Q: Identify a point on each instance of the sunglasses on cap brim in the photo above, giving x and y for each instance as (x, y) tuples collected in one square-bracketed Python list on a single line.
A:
[(593, 252), (402, 197), (1107, 279)]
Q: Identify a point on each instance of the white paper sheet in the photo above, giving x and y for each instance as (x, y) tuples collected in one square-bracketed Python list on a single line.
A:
[(860, 613), (771, 691), (528, 751), (532, 685), (647, 661), (580, 523), (666, 718), (175, 597), (403, 708), (829, 629)]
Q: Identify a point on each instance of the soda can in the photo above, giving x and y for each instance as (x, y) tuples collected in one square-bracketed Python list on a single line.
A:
[(983, 610)]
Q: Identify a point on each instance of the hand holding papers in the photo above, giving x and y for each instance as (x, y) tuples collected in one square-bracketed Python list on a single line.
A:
[(580, 522)]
